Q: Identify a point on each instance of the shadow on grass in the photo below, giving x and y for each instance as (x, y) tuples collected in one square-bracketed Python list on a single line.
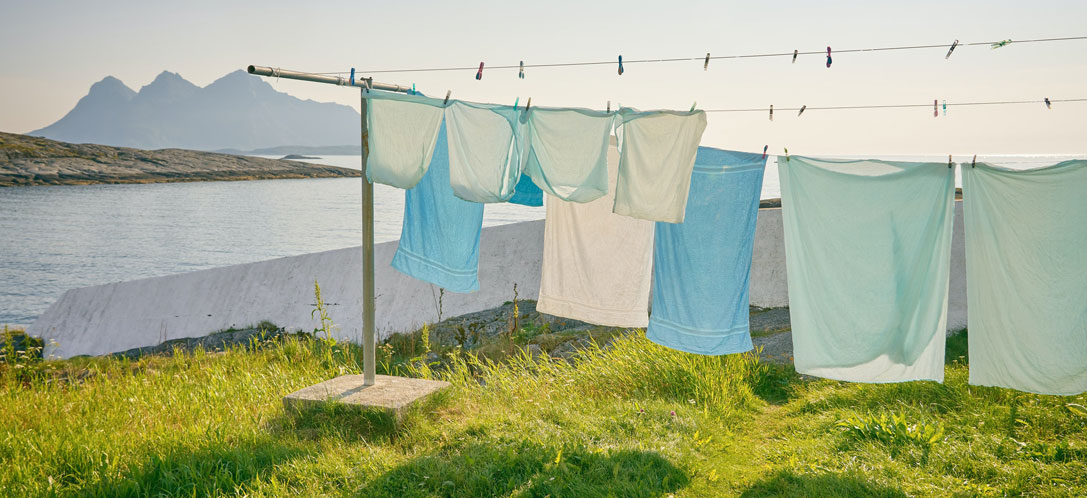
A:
[(337, 421), (786, 483), (224, 468), (528, 469)]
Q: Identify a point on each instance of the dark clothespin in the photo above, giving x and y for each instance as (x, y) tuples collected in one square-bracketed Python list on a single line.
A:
[(829, 60), (479, 74), (974, 161), (706, 65), (609, 107), (764, 149), (935, 108), (771, 112), (949, 164), (528, 104), (447, 94), (795, 53), (352, 76), (952, 49), (693, 105), (1048, 104), (522, 73), (786, 154), (802, 109), (620, 65)]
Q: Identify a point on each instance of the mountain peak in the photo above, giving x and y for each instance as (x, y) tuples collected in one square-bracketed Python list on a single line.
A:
[(110, 86)]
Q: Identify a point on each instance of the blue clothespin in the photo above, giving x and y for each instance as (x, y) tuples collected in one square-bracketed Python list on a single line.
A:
[(620, 65), (952, 49), (515, 102), (829, 60), (522, 73), (945, 108), (1048, 104), (413, 92), (479, 74), (352, 76)]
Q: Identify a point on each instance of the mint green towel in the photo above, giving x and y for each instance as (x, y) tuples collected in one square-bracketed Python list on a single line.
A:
[(568, 156), (403, 130), (867, 247), (1026, 269)]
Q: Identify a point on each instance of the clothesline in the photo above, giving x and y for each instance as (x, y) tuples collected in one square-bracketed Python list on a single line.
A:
[(709, 57)]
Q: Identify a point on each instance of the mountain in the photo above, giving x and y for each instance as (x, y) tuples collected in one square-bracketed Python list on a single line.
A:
[(238, 111)]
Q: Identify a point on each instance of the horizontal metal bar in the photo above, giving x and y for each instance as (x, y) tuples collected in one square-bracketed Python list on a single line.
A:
[(320, 78)]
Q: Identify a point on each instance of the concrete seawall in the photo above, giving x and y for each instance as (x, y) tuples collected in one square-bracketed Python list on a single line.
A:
[(115, 317)]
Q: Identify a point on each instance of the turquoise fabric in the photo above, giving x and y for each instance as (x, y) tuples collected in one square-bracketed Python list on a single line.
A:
[(487, 150), (1026, 267), (527, 193), (702, 267), (657, 152), (868, 246), (402, 132), (439, 241), (568, 156)]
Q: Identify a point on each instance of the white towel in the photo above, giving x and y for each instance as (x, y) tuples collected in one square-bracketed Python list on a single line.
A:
[(658, 152), (596, 264)]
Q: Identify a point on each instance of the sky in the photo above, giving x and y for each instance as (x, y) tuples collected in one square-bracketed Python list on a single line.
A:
[(53, 51)]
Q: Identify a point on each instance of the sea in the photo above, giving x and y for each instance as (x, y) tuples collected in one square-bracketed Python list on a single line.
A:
[(55, 238)]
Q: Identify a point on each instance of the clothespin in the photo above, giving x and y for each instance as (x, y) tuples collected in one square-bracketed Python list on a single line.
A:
[(935, 109), (369, 84), (764, 149), (786, 154), (479, 74), (413, 92), (447, 94), (802, 109), (620, 65), (1048, 104), (999, 44), (945, 108), (796, 52), (528, 104), (974, 161), (706, 65), (352, 76), (522, 73), (609, 107), (949, 164), (952, 49), (829, 60), (693, 105), (771, 112), (515, 102)]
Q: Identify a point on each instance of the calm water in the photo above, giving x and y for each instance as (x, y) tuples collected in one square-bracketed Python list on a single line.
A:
[(57, 238)]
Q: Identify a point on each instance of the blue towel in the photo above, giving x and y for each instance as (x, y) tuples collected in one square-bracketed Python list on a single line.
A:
[(701, 266), (439, 242), (526, 193)]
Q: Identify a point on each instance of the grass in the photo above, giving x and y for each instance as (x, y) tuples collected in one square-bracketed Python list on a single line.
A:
[(632, 419)]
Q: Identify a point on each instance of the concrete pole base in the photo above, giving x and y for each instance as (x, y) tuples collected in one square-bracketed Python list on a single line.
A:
[(391, 394)]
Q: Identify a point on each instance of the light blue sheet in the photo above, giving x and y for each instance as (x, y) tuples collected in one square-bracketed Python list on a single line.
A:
[(487, 150), (402, 132), (868, 246), (701, 267), (568, 155), (439, 242), (1026, 268), (527, 193)]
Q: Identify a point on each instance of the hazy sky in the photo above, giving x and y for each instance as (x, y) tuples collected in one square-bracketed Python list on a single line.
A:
[(53, 51)]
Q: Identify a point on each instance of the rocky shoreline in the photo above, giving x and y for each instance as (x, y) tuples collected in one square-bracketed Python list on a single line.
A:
[(29, 161)]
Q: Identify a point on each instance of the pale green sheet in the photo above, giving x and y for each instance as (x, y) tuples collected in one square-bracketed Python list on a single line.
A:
[(868, 247), (1026, 266), (403, 130)]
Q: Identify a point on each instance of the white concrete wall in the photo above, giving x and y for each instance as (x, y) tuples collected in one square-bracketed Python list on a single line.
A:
[(115, 317)]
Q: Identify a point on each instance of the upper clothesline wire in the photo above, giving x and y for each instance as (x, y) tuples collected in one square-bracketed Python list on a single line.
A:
[(944, 46)]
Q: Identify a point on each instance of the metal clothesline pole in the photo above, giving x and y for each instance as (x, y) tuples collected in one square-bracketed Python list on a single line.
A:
[(369, 335)]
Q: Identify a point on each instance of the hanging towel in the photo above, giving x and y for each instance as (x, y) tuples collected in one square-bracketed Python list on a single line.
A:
[(701, 267), (486, 150), (658, 151), (527, 193), (1026, 268), (596, 264), (568, 157), (867, 247), (402, 133), (439, 242)]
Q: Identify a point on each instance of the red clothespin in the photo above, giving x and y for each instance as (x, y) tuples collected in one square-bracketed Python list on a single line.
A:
[(479, 74), (935, 108), (764, 149), (829, 60)]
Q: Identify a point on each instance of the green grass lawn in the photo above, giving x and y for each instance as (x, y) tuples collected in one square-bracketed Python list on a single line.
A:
[(632, 419)]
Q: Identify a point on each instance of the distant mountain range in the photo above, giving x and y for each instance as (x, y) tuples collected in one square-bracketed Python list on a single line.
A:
[(239, 112)]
